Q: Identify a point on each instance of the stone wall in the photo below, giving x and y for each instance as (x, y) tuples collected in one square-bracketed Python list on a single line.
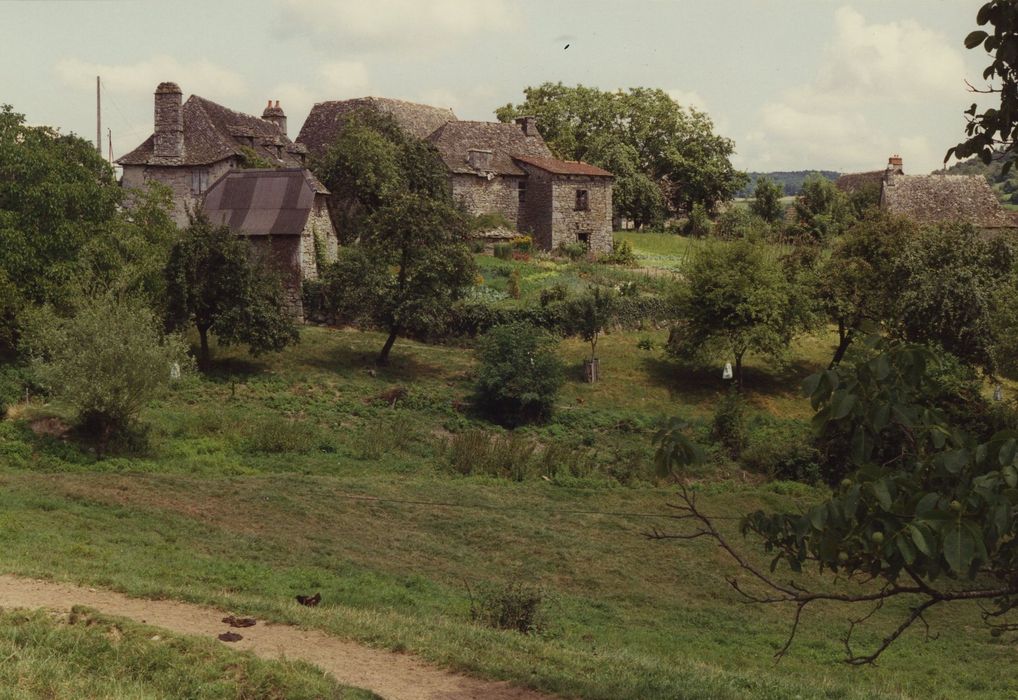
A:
[(482, 196), (536, 212), (569, 224), (178, 179), (169, 123), (284, 254), (319, 225)]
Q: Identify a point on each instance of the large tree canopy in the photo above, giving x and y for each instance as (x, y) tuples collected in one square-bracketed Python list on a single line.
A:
[(661, 153)]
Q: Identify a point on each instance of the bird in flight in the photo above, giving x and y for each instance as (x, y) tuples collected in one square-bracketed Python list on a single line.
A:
[(566, 46)]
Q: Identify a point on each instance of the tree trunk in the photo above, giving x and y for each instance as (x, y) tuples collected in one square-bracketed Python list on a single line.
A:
[(204, 357), (383, 357), (839, 354)]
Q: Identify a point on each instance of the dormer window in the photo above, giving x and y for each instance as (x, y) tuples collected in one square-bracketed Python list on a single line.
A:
[(199, 180)]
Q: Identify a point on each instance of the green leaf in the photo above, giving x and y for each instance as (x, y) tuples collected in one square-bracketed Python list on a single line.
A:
[(818, 517), (958, 548), (810, 384), (919, 539), (975, 38), (881, 489), (842, 404), (1007, 451), (1010, 475), (906, 548), (955, 460), (927, 504)]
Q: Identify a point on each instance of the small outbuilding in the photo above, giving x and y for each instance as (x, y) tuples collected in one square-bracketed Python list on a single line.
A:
[(283, 213)]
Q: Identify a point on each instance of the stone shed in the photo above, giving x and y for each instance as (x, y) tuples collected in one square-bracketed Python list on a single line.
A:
[(283, 213)]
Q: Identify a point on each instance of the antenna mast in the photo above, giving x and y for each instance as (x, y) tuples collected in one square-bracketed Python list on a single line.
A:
[(98, 120)]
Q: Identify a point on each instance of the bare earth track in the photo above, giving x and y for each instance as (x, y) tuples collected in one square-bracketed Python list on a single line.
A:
[(391, 675)]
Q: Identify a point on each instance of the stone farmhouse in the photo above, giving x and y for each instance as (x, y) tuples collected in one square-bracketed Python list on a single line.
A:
[(938, 199), (204, 151), (494, 167)]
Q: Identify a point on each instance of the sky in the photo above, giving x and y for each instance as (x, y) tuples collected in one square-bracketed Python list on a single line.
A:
[(796, 84)]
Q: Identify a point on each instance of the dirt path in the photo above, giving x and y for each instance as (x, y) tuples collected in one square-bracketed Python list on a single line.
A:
[(391, 675)]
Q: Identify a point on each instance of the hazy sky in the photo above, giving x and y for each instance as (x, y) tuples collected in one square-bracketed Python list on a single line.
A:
[(798, 84)]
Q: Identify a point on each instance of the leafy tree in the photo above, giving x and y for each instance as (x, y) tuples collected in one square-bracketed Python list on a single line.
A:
[(214, 283), (56, 196), (519, 374), (991, 133), (767, 201), (107, 360), (410, 260), (928, 512), (590, 314), (736, 299), (698, 224), (822, 209), (644, 135)]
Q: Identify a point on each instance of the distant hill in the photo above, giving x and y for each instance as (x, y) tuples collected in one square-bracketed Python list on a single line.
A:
[(790, 180)]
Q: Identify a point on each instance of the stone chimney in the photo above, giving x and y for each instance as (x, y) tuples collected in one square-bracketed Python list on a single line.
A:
[(528, 124), (479, 159), (894, 165), (275, 115), (169, 122)]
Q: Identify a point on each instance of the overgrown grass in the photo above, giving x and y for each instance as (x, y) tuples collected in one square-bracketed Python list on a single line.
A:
[(88, 655), (315, 470)]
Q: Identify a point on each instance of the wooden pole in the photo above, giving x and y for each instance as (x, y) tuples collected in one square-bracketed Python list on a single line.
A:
[(98, 120)]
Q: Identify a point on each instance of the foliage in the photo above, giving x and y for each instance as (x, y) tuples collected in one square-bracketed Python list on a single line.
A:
[(514, 606), (790, 182), (992, 132), (489, 221), (519, 374), (675, 450), (513, 287), (767, 201), (502, 456), (736, 299), (659, 151), (590, 314), (698, 224), (556, 292), (781, 449), (503, 251), (728, 426), (215, 284), (573, 251), (107, 361), (249, 159), (822, 210), (736, 222), (621, 254), (57, 196)]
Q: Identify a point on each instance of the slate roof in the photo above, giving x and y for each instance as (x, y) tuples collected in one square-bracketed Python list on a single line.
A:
[(418, 120), (262, 202), (945, 198), (213, 132), (850, 182), (454, 140), (564, 167)]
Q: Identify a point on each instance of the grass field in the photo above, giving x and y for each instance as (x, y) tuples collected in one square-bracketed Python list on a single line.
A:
[(87, 655), (312, 470)]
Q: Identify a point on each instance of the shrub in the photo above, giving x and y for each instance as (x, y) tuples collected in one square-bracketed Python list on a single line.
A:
[(573, 251), (513, 288), (489, 222), (699, 224), (107, 361), (519, 375), (279, 435), (523, 244), (556, 292), (479, 452), (503, 251), (622, 254), (735, 223), (514, 606), (728, 429), (782, 450)]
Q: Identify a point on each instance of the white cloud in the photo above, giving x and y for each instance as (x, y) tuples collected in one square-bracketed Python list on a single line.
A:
[(376, 24), (688, 98), (891, 70), (198, 77)]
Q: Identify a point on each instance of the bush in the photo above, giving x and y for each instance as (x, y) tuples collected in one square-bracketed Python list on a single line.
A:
[(573, 251), (512, 606), (556, 292), (519, 375), (622, 254), (699, 224), (523, 244), (736, 223), (489, 222), (503, 251), (279, 435), (513, 288), (107, 361), (728, 429), (782, 450), (479, 452)]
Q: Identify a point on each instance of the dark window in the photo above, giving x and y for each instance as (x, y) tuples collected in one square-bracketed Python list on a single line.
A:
[(584, 238), (199, 180), (522, 190), (582, 200)]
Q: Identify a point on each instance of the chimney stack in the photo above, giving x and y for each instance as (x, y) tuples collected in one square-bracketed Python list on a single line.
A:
[(169, 122), (528, 124), (894, 165), (275, 115)]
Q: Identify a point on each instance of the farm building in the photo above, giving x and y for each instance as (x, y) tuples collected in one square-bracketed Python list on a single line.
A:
[(197, 142), (495, 167), (938, 199), (284, 215)]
